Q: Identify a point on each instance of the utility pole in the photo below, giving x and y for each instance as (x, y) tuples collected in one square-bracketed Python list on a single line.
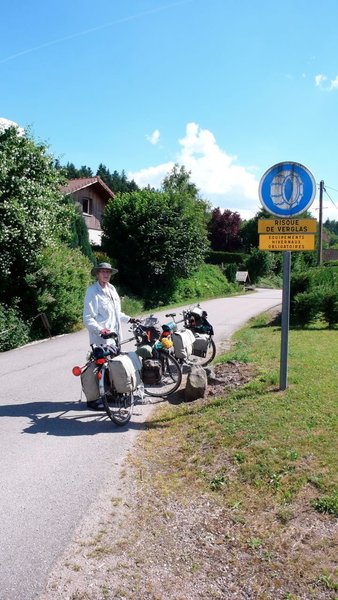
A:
[(320, 229)]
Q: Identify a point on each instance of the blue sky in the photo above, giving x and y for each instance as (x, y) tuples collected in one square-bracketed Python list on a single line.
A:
[(226, 87)]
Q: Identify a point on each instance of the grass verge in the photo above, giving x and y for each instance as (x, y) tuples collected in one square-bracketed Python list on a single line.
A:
[(262, 461)]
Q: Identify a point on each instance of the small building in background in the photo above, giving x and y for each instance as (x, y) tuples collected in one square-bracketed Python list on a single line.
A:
[(330, 254), (243, 278), (92, 195)]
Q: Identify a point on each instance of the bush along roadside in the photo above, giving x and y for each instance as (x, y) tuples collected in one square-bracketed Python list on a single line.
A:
[(314, 296)]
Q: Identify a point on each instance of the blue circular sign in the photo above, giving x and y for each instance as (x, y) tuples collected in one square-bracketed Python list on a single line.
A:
[(287, 189)]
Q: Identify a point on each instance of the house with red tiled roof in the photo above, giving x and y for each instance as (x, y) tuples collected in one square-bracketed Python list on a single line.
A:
[(92, 195)]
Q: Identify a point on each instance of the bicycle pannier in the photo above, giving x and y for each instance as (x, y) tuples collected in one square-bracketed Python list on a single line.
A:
[(151, 328), (183, 341), (89, 382), (169, 327), (151, 371), (144, 351), (200, 345), (198, 312), (124, 372)]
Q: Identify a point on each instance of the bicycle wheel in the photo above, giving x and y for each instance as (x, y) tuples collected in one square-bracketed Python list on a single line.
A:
[(119, 407), (170, 380), (202, 361)]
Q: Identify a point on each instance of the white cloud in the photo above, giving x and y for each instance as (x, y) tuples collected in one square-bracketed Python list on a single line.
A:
[(154, 137), (152, 176), (5, 123), (334, 83), (216, 174), (321, 81)]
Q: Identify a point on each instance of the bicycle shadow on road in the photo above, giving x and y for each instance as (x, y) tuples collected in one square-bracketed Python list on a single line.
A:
[(64, 419)]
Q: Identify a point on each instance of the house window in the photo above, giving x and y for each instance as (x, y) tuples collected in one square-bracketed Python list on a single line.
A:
[(86, 206)]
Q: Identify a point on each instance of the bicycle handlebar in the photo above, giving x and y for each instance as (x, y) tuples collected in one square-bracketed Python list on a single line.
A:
[(107, 336)]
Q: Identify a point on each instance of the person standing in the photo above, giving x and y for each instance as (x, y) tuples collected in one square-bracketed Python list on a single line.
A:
[(102, 312), (102, 307)]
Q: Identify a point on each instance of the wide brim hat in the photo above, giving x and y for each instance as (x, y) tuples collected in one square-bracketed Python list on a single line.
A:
[(103, 265)]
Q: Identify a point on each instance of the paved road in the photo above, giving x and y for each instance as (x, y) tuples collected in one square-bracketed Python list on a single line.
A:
[(56, 457)]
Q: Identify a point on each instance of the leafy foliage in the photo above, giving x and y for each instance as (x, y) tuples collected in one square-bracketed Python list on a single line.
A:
[(115, 181), (80, 236), (32, 215), (14, 331), (218, 257), (314, 294), (249, 230), (224, 230), (207, 282), (307, 306), (71, 172), (259, 264), (155, 237), (58, 286), (230, 272), (330, 307)]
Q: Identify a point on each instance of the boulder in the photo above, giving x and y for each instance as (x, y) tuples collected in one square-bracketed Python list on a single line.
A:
[(196, 385)]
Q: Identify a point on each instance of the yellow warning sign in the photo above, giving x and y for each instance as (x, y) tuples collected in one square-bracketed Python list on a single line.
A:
[(289, 241), (287, 225)]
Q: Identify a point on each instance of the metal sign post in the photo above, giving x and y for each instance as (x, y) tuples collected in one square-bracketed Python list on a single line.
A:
[(286, 190), (283, 374)]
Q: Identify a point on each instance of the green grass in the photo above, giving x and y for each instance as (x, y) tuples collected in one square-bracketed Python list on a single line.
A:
[(267, 457), (208, 282), (285, 440)]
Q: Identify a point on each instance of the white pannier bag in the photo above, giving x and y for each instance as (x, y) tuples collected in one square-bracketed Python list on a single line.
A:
[(125, 372), (183, 341), (197, 311), (200, 345), (89, 382)]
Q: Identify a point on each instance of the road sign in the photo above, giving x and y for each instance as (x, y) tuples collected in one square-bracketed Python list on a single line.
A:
[(288, 242), (287, 226), (287, 189)]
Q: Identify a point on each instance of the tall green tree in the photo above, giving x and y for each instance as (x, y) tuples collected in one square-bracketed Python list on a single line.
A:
[(32, 213), (115, 181), (70, 171), (155, 237)]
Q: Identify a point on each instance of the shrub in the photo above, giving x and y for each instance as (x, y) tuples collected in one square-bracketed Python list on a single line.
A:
[(330, 307), (155, 237), (207, 282), (13, 329), (307, 307), (218, 257), (59, 285), (259, 264), (300, 282), (230, 272)]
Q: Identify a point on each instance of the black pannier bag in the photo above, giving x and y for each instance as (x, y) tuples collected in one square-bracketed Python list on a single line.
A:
[(200, 345), (203, 327), (151, 328), (151, 371)]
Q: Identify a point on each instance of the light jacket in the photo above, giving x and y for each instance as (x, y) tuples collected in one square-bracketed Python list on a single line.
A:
[(102, 310)]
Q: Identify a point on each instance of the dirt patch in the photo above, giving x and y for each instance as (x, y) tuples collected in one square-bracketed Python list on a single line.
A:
[(228, 376), (145, 545)]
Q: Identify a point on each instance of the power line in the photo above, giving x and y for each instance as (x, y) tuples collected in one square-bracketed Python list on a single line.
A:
[(331, 188), (327, 193)]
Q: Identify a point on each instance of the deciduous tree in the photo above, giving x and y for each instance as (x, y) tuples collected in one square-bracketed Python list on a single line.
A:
[(155, 237), (224, 230)]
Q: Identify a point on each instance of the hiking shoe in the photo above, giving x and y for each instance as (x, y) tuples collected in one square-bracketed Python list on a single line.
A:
[(95, 405)]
